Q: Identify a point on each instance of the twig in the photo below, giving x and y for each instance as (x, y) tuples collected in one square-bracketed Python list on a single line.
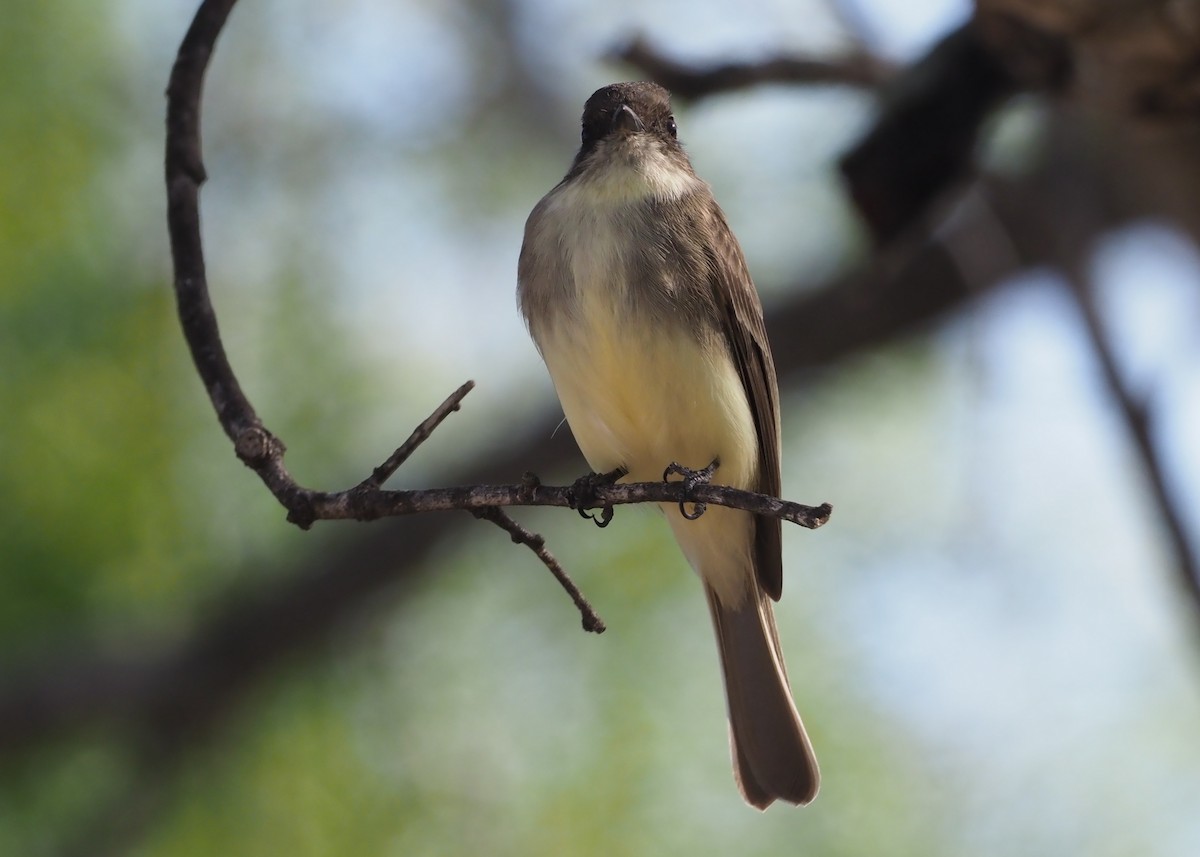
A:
[(420, 434), (687, 81), (591, 620)]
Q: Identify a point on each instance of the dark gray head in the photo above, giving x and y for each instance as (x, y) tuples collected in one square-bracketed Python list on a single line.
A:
[(621, 110)]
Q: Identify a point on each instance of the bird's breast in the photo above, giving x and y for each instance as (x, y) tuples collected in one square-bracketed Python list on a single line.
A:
[(641, 382)]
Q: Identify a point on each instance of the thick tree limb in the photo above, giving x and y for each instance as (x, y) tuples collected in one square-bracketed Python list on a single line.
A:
[(923, 144)]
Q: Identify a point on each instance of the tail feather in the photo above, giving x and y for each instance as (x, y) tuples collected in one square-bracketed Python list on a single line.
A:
[(772, 757)]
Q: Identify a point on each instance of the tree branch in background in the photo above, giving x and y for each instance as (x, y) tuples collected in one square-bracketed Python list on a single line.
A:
[(1139, 422), (688, 81), (1055, 217), (923, 144)]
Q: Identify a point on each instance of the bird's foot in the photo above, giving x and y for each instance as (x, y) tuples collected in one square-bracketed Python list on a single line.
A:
[(691, 478), (583, 494)]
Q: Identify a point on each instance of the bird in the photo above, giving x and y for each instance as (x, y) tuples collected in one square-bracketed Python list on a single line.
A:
[(638, 297)]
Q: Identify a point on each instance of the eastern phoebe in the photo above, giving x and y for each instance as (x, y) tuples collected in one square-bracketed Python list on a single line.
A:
[(638, 298)]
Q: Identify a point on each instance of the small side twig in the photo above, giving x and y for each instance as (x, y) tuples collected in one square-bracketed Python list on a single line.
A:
[(420, 434), (536, 543)]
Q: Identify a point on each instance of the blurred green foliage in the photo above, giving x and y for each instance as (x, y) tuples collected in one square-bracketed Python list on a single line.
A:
[(85, 341)]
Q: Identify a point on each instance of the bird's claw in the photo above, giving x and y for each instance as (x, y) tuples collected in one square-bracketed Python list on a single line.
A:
[(583, 495), (691, 478)]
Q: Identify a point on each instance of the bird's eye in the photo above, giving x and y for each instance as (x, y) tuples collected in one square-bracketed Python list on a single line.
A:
[(671, 129)]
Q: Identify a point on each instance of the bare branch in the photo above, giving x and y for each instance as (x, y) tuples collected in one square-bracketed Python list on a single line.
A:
[(184, 174), (858, 69), (520, 535), (420, 434), (367, 505)]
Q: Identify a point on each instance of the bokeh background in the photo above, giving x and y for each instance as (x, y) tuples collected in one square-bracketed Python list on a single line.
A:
[(991, 642)]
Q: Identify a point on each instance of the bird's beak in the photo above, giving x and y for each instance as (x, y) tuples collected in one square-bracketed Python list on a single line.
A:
[(626, 120)]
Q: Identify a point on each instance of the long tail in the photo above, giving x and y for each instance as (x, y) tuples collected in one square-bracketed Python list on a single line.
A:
[(772, 757)]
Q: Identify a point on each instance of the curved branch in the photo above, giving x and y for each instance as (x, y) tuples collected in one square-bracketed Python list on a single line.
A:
[(184, 174), (257, 447)]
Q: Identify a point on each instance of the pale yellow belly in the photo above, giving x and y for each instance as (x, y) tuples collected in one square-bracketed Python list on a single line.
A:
[(640, 398)]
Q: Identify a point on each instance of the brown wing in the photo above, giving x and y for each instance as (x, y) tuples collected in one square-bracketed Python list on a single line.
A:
[(741, 319)]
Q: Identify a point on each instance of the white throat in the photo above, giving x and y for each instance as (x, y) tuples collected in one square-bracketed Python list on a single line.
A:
[(638, 170)]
